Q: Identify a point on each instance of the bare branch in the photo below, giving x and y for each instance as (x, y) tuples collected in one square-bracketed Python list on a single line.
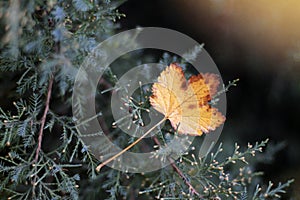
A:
[(43, 120)]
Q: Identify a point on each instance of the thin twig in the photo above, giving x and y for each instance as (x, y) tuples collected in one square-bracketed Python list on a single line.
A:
[(179, 172), (43, 120)]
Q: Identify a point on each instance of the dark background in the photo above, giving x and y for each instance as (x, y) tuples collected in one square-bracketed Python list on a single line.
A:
[(257, 42)]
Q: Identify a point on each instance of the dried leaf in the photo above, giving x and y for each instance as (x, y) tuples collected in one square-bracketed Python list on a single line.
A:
[(186, 103)]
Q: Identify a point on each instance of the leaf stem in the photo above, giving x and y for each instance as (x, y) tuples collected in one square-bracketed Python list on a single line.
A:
[(129, 146)]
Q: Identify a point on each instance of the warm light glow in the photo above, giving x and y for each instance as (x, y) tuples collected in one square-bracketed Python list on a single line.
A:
[(270, 25)]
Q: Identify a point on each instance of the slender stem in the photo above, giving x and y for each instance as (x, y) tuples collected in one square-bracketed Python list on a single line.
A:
[(43, 120), (129, 146), (40, 138), (187, 182), (179, 172)]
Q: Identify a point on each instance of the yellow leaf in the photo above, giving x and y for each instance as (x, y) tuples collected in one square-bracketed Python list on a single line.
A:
[(186, 103)]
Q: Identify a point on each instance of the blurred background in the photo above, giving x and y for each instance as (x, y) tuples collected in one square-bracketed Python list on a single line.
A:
[(257, 42)]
